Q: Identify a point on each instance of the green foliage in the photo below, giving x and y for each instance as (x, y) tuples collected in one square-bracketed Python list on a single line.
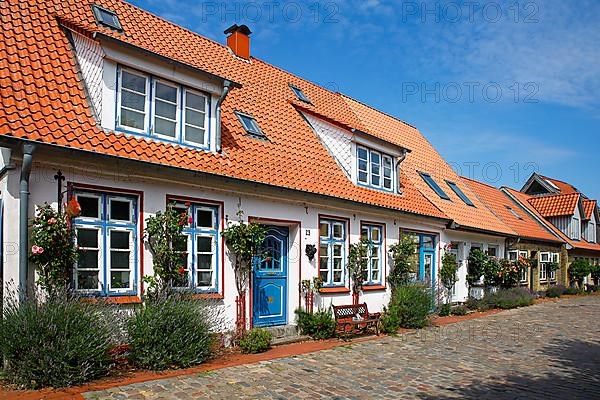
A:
[(476, 304), (460, 310), (256, 341), (401, 255), (409, 307), (572, 291), (444, 310), (319, 325), (448, 270), (245, 241), (168, 246), (595, 271), (53, 250), (171, 332), (358, 263), (555, 291), (579, 269), (509, 273), (57, 343), (509, 298), (477, 265)]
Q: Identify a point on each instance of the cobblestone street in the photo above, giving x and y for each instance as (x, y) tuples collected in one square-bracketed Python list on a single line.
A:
[(550, 350)]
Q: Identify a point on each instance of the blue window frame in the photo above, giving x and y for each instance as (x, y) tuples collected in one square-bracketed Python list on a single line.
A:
[(332, 251), (433, 185), (249, 124), (374, 169), (374, 234), (300, 94), (460, 193), (200, 248), (155, 107), (106, 234), (424, 261)]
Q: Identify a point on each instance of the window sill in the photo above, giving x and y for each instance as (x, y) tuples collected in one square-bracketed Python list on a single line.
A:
[(373, 288), (114, 299), (217, 296), (331, 290)]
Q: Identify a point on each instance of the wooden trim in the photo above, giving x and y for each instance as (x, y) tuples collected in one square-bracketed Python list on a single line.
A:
[(221, 205), (368, 288), (332, 290), (346, 220), (207, 296), (113, 299)]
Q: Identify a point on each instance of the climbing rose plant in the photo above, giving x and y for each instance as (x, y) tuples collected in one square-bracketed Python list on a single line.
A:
[(449, 269), (53, 250), (168, 246), (358, 263), (401, 253)]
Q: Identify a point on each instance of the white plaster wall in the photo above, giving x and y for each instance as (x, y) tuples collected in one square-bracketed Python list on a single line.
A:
[(9, 190)]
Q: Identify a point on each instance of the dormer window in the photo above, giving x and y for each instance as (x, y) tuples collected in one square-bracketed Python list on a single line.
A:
[(107, 18), (374, 169), (434, 186), (300, 94), (158, 108), (250, 124)]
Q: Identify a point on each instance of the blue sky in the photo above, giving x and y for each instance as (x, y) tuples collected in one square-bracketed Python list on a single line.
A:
[(500, 89)]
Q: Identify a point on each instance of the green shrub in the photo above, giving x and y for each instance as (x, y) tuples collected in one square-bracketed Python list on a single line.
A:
[(444, 310), (390, 320), (171, 332), (555, 291), (476, 304), (572, 291), (579, 269), (460, 310), (509, 298), (319, 325), (410, 305), (256, 341), (57, 343)]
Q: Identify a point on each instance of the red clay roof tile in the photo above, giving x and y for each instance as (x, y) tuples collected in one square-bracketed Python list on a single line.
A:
[(556, 206)]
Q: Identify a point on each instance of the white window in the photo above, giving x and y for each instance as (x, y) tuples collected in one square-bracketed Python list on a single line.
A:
[(555, 260), (332, 248), (492, 250), (106, 236), (374, 234), (201, 245), (374, 169), (576, 229), (592, 233), (162, 109), (544, 260)]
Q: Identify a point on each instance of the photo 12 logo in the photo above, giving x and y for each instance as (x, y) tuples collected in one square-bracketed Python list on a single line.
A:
[(269, 11), (470, 11), (454, 92)]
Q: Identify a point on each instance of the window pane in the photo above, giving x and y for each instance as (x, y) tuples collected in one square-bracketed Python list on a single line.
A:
[(87, 280), (338, 231), (337, 250), (204, 219), (387, 183), (89, 206), (87, 238), (166, 92), (194, 134), (427, 242), (119, 259), (337, 277), (164, 127), (375, 180), (324, 251), (362, 177), (194, 118), (132, 119), (119, 240), (88, 259), (375, 159), (204, 244), (120, 210), (375, 234), (324, 229), (324, 274), (119, 279), (205, 278), (205, 261), (165, 110), (133, 100), (195, 101), (133, 82), (362, 154)]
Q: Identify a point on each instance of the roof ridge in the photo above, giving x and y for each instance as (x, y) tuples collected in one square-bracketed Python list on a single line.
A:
[(476, 181), (378, 110)]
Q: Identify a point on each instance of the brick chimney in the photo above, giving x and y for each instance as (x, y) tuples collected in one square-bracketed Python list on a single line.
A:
[(239, 40)]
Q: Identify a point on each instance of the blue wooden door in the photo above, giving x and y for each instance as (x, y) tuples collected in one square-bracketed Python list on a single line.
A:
[(427, 270), (269, 289)]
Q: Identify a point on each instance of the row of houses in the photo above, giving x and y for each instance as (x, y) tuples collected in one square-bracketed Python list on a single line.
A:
[(137, 112)]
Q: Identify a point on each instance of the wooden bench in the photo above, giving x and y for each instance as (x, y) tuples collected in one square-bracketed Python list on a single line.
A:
[(353, 319)]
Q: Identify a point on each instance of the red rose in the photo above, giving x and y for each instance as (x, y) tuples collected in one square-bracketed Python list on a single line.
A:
[(187, 204), (181, 270), (189, 220), (181, 222)]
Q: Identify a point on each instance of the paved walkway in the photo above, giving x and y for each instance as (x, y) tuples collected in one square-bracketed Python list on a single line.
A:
[(550, 351)]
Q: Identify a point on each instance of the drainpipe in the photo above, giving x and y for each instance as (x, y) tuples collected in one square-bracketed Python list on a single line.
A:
[(226, 88), (28, 149), (399, 160)]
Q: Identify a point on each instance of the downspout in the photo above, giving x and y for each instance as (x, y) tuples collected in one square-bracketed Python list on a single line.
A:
[(399, 160), (226, 88), (28, 149)]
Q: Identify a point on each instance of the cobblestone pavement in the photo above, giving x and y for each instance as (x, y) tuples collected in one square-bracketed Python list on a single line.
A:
[(550, 351)]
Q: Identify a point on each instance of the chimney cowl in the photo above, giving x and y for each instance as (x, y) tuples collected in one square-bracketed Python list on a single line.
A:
[(238, 28), (239, 40)]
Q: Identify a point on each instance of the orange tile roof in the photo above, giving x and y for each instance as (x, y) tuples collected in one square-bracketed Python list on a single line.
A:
[(589, 206), (563, 187), (45, 102), (524, 200), (556, 206), (499, 203), (425, 158)]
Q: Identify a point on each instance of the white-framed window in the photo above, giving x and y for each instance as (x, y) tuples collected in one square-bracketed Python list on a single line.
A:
[(332, 251), (556, 260), (591, 236), (576, 229), (106, 234), (161, 109), (544, 260), (492, 250), (374, 169), (200, 246), (513, 255), (374, 234)]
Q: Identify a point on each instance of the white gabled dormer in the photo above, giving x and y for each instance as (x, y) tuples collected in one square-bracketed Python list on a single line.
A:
[(366, 160), (143, 94)]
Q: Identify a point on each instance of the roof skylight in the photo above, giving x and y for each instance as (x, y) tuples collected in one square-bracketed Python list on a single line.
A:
[(250, 124), (106, 17), (433, 185), (299, 93), (513, 212), (460, 193)]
